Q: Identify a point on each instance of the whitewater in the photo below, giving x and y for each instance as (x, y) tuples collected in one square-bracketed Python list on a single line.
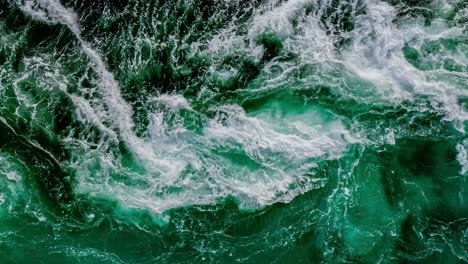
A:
[(316, 131)]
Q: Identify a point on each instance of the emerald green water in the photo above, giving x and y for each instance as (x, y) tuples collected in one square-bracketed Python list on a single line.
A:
[(212, 131)]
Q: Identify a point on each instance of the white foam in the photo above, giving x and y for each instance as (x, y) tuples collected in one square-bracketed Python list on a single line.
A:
[(376, 56), (258, 158), (281, 156), (462, 157), (174, 102), (11, 183), (51, 11), (277, 17)]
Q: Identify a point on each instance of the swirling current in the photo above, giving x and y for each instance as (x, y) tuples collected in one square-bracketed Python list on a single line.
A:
[(233, 131)]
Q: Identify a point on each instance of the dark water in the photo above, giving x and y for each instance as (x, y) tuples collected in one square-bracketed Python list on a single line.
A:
[(198, 131)]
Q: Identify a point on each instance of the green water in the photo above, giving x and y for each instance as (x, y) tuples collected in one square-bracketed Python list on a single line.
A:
[(215, 131)]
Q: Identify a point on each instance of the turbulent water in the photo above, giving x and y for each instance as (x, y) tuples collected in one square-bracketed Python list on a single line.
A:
[(233, 131)]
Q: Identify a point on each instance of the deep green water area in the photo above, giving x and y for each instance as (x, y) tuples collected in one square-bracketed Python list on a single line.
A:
[(233, 131)]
